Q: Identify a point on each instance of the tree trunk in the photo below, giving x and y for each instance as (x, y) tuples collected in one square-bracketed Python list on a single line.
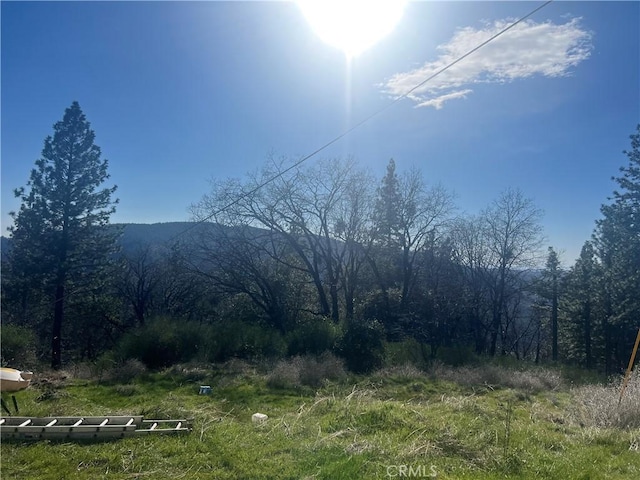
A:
[(406, 277), (349, 302), (56, 334), (496, 325), (335, 306)]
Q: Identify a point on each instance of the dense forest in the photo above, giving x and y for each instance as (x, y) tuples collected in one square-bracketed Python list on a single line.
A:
[(299, 259)]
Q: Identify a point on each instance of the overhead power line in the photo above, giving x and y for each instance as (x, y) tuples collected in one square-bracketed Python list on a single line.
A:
[(365, 120)]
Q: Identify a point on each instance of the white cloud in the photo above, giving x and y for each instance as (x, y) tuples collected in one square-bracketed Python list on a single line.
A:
[(437, 102), (527, 49)]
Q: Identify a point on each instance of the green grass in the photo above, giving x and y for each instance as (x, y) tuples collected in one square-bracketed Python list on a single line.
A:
[(354, 428)]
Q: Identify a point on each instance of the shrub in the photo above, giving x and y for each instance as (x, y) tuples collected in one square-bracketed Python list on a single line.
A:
[(238, 339), (238, 367), (286, 374), (309, 370), (383, 308), (18, 347), (407, 371), (191, 372), (575, 375), (457, 356), (408, 351), (109, 368), (531, 380), (315, 371), (162, 342), (314, 336), (82, 370), (362, 346), (600, 405), (102, 367), (129, 370)]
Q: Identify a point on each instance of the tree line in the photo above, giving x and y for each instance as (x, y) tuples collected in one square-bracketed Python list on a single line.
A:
[(323, 255)]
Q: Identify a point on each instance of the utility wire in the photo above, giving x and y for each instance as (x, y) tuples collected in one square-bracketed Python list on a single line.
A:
[(365, 120)]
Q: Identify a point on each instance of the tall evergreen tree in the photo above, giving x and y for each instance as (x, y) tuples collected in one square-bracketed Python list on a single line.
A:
[(550, 290), (581, 309), (387, 213), (60, 233), (617, 238), (385, 236)]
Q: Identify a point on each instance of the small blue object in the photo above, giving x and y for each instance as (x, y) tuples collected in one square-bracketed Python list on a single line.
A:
[(205, 390)]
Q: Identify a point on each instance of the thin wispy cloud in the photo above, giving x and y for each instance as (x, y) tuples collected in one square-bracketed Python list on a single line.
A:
[(528, 49)]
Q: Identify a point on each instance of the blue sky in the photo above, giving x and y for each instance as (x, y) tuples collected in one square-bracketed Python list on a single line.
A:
[(179, 93)]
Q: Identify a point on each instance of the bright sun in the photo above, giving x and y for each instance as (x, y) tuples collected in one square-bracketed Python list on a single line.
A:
[(352, 25)]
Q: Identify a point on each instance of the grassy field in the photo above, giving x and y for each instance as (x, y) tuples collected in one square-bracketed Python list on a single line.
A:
[(485, 422)]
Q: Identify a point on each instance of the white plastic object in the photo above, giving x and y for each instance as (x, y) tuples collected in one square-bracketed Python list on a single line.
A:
[(259, 418)]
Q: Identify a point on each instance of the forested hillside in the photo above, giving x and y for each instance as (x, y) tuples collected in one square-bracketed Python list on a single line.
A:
[(302, 260)]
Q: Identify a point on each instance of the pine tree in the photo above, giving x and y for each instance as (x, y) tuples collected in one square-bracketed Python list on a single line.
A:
[(60, 234), (385, 232), (387, 207), (549, 289), (581, 308), (617, 238)]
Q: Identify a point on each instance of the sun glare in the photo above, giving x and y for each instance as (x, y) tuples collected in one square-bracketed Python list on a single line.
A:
[(352, 25)]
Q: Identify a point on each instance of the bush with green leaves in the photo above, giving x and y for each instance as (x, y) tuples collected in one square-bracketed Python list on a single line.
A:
[(362, 345), (408, 351), (313, 336), (457, 356), (163, 342), (18, 347), (384, 307), (240, 339)]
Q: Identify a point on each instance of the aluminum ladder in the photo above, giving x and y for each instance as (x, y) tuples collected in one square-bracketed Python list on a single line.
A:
[(87, 428)]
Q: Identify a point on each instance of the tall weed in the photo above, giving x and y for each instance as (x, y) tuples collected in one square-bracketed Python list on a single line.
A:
[(309, 370), (601, 405), (531, 380)]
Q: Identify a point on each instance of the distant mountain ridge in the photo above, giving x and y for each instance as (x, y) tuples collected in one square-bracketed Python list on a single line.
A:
[(141, 234), (155, 233)]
